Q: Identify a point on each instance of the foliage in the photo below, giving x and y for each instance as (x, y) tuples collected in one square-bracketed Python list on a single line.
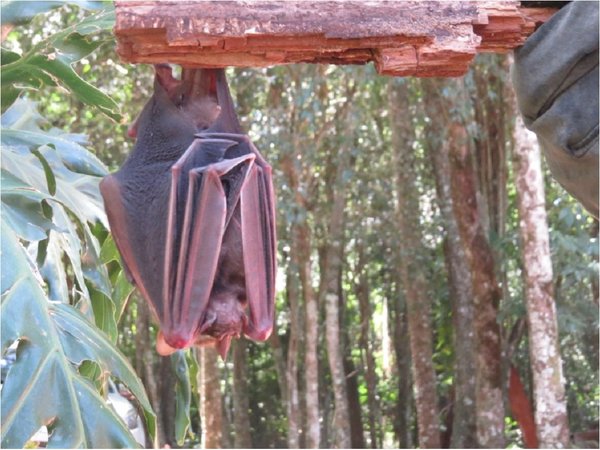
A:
[(58, 301)]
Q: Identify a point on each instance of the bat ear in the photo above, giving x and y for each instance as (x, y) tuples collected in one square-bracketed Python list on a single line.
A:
[(163, 75), (228, 121)]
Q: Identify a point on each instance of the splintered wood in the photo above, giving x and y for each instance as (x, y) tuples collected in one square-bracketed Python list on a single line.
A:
[(411, 38)]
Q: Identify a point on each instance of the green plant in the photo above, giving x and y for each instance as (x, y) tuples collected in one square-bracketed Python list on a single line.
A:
[(59, 303)]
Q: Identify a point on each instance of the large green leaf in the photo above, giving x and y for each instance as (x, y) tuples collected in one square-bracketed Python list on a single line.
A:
[(49, 63), (22, 209), (77, 192), (44, 386), (20, 127)]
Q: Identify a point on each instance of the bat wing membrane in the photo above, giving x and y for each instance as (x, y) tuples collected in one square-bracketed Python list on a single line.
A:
[(110, 189), (257, 203), (194, 236)]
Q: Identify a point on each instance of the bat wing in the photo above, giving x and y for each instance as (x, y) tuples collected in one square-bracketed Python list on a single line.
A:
[(118, 217), (257, 212), (258, 237), (199, 210)]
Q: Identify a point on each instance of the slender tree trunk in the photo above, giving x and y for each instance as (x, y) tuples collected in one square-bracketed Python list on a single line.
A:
[(280, 364), (357, 438), (459, 277), (486, 292), (332, 257), (411, 271), (210, 398), (301, 238), (311, 357), (241, 406), (362, 292), (404, 406), (293, 403), (544, 351)]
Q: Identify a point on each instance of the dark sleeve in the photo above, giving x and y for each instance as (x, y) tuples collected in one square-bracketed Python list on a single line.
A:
[(555, 76)]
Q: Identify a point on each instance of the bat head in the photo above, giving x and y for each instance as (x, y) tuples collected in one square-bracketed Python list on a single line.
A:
[(192, 100), (195, 95)]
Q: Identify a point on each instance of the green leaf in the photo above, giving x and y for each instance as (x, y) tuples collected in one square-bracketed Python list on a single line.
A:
[(50, 180), (81, 345), (43, 387), (121, 292), (183, 395), (77, 192), (104, 314), (21, 208), (20, 127), (109, 251), (49, 63)]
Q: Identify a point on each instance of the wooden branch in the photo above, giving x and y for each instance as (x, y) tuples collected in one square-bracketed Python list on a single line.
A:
[(418, 38)]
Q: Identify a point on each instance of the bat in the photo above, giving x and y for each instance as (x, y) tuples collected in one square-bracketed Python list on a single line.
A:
[(192, 214)]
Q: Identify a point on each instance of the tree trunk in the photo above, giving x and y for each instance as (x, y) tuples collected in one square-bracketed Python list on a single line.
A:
[(210, 398), (366, 313), (486, 292), (280, 365), (331, 270), (544, 351), (411, 271), (459, 277), (357, 438), (293, 403), (241, 406), (311, 357), (301, 256), (404, 406)]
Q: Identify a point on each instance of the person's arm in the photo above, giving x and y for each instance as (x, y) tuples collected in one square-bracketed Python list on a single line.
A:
[(555, 76)]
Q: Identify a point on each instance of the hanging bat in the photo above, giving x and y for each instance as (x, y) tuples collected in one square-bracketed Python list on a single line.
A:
[(192, 214)]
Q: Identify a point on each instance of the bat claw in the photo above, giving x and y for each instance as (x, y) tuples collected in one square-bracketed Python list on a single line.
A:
[(223, 346)]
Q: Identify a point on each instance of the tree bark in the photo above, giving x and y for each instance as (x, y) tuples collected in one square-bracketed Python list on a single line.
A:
[(330, 275), (293, 403), (241, 405), (544, 352), (464, 425), (404, 406), (486, 292), (357, 437), (362, 293), (210, 398), (301, 255), (311, 356), (411, 270)]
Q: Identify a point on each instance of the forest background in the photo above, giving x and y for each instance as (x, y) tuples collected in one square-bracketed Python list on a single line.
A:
[(399, 241)]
